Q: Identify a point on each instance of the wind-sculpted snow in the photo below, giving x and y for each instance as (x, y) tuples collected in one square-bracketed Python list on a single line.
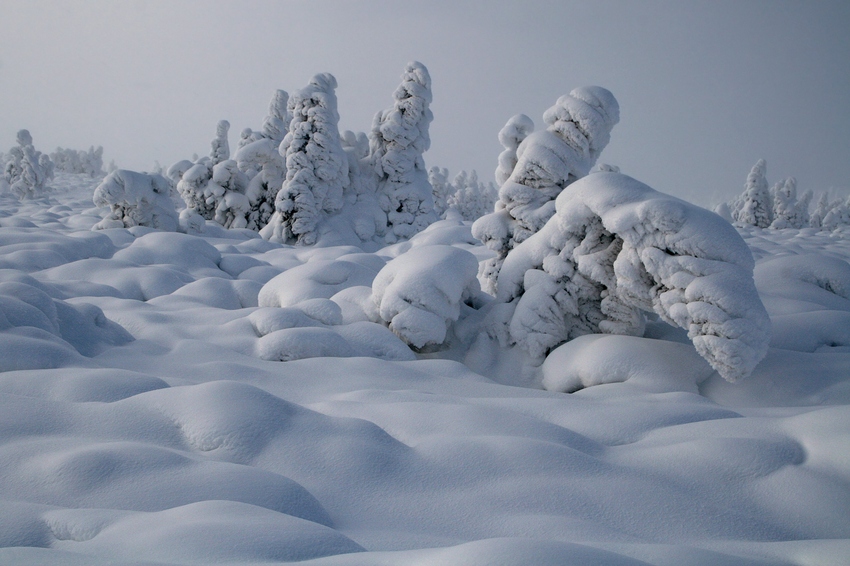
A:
[(615, 248), (227, 432)]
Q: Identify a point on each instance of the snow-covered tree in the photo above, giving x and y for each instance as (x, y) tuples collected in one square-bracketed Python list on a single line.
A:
[(316, 165), (398, 139), (441, 189), (785, 204), (471, 199), (756, 204), (220, 148), (276, 124), (837, 216), (801, 217), (229, 185), (135, 199), (192, 188), (511, 136), (78, 161), (579, 128), (617, 248), (265, 183), (821, 209), (26, 171)]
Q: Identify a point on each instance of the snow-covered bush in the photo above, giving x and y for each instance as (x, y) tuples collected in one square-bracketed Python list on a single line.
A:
[(78, 161), (220, 148), (579, 128), (510, 136), (398, 139), (421, 292), (135, 199), (616, 248), (27, 169), (316, 165), (471, 199)]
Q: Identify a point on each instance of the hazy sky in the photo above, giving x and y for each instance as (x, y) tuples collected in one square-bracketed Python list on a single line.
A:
[(705, 88)]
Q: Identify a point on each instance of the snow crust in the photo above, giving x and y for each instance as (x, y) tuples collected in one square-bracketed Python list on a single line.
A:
[(146, 417)]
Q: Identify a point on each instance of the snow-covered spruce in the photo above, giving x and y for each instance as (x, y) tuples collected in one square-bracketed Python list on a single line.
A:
[(471, 198), (276, 124), (441, 189), (192, 188), (579, 128), (229, 185), (755, 207), (398, 139), (220, 148), (265, 161), (27, 169), (316, 165), (511, 136), (135, 199), (364, 214), (615, 248), (421, 292)]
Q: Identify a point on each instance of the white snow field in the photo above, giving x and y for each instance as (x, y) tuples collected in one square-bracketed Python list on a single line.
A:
[(219, 399)]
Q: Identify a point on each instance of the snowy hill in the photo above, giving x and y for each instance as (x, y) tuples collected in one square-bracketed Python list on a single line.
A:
[(170, 398)]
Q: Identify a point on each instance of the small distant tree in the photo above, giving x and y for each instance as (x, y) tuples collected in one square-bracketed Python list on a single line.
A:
[(756, 204), (472, 199), (838, 215), (398, 139), (441, 189), (785, 204), (26, 172), (821, 209), (220, 147)]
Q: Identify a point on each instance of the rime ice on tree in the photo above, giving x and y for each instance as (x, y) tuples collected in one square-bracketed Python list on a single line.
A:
[(398, 139), (316, 165), (579, 128), (220, 147), (513, 134)]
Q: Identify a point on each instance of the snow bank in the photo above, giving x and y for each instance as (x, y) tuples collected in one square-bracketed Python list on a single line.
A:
[(420, 293), (617, 247)]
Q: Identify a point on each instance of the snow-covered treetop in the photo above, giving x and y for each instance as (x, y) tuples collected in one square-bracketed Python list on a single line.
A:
[(24, 138), (220, 146), (511, 135), (276, 123)]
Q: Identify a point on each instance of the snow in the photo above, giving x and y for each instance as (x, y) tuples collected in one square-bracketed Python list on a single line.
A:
[(145, 417)]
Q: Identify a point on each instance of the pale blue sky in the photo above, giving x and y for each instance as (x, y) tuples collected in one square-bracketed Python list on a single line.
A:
[(705, 88)]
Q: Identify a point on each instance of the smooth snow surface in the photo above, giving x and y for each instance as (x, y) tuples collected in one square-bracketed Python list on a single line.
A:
[(145, 417)]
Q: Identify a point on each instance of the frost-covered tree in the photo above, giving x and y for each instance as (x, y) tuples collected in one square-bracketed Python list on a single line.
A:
[(821, 209), (192, 188), (441, 189), (229, 185), (615, 249), (511, 136), (316, 165), (362, 209), (220, 148), (398, 139), (579, 128), (801, 217), (135, 199), (276, 124), (756, 204), (265, 183), (785, 204), (26, 171), (838, 215), (471, 199)]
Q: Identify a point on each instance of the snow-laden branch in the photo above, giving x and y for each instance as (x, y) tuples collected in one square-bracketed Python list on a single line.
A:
[(616, 247)]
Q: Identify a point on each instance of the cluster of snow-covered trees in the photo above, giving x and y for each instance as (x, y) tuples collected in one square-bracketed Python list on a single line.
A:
[(25, 169), (578, 247), (779, 206), (78, 161)]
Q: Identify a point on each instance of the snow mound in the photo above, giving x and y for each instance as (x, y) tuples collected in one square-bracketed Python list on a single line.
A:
[(616, 247), (420, 293), (597, 359), (189, 252), (799, 283), (33, 318), (312, 280), (35, 249)]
